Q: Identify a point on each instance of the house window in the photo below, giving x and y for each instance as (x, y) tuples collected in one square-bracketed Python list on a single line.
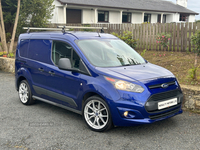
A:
[(147, 18), (103, 16), (159, 19), (184, 17), (126, 17)]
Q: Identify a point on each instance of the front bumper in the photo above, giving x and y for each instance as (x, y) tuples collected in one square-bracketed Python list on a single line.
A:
[(138, 113)]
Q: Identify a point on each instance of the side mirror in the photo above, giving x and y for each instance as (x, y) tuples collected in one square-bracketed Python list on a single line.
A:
[(64, 64)]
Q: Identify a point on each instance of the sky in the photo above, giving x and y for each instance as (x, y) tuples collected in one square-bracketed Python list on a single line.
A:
[(193, 5)]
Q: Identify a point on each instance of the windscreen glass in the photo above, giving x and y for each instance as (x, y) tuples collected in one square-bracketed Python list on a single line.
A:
[(109, 53)]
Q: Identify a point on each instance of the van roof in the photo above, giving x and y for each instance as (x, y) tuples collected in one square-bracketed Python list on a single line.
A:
[(76, 34)]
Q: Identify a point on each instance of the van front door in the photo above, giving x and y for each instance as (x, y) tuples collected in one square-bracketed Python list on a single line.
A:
[(63, 86)]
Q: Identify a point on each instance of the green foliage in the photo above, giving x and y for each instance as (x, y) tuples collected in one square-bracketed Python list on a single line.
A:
[(143, 52), (163, 39), (9, 8), (11, 55), (146, 23), (35, 13), (196, 42), (192, 72), (3, 53), (127, 37), (8, 36), (197, 20)]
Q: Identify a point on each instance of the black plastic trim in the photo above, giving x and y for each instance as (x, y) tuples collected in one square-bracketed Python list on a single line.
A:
[(154, 117), (56, 104), (55, 95), (151, 105), (159, 85)]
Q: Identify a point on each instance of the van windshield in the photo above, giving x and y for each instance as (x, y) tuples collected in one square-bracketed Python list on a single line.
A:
[(109, 53)]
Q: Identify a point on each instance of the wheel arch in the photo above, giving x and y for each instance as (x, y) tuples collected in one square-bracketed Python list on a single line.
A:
[(21, 78), (90, 94)]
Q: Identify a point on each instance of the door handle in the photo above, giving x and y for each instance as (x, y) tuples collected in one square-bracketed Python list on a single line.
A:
[(51, 72), (40, 69)]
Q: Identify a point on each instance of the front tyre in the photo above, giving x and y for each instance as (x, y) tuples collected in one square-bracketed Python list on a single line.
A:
[(25, 95), (96, 114)]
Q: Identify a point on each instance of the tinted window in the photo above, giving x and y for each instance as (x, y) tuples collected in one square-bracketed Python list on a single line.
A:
[(40, 50), (23, 47), (76, 60)]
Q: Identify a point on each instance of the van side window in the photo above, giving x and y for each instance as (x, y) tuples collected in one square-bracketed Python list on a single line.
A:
[(75, 60), (40, 50), (23, 47), (60, 50), (64, 50)]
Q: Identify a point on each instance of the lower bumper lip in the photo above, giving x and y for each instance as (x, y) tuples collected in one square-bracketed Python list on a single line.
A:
[(149, 120)]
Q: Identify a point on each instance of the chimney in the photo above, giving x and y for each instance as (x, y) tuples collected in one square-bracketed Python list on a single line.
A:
[(182, 3)]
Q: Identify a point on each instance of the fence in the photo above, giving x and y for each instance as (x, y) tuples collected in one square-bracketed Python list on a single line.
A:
[(146, 34)]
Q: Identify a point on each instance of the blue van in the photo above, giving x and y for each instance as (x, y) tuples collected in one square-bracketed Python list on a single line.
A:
[(96, 75)]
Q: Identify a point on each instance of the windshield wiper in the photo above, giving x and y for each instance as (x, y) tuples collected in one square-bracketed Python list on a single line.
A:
[(131, 64), (128, 64)]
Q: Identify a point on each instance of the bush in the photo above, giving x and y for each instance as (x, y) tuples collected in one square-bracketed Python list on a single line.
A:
[(192, 72), (127, 38), (196, 49), (11, 55), (163, 39), (8, 36), (196, 42)]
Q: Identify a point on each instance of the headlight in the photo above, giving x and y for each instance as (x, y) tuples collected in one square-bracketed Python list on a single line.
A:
[(125, 86)]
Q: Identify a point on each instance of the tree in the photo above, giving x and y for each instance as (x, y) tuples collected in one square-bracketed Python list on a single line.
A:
[(35, 13), (9, 8), (15, 27), (2, 32)]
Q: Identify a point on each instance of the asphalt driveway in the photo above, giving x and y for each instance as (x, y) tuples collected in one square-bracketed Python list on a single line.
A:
[(43, 126)]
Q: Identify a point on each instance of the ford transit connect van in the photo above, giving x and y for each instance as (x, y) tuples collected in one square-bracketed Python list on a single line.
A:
[(96, 75)]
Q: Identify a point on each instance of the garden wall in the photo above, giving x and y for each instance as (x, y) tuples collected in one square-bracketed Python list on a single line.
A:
[(7, 64), (191, 97), (191, 93)]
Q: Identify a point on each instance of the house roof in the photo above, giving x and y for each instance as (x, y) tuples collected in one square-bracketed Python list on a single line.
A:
[(143, 5)]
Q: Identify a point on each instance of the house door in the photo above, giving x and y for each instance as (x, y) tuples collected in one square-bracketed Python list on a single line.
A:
[(73, 16)]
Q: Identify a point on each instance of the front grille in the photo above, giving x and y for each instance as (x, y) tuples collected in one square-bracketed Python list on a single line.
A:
[(159, 85), (151, 105), (153, 117), (165, 95)]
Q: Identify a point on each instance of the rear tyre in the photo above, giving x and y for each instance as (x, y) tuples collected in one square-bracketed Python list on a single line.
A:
[(96, 114), (25, 94)]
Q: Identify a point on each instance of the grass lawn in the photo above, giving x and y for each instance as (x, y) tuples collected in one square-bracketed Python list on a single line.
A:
[(179, 63)]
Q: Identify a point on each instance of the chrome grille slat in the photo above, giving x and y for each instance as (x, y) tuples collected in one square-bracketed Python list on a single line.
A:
[(159, 85)]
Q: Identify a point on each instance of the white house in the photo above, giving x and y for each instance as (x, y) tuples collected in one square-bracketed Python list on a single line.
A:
[(121, 11)]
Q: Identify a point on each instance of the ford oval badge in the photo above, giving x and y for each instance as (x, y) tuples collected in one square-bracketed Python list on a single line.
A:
[(164, 85)]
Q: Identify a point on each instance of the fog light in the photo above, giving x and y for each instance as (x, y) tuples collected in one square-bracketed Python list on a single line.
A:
[(126, 113)]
